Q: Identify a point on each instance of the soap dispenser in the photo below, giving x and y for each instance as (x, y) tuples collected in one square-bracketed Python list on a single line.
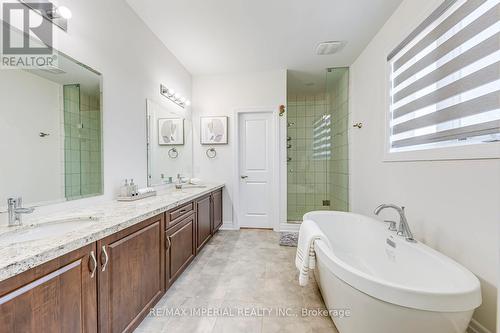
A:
[(124, 190), (133, 188)]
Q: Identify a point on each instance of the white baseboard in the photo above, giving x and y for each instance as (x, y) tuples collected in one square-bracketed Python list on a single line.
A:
[(229, 225), (476, 327), (289, 227)]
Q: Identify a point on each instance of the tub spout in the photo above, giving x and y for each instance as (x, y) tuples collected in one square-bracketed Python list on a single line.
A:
[(404, 227)]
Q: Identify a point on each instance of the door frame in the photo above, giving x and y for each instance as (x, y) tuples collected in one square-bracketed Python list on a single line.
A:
[(275, 153)]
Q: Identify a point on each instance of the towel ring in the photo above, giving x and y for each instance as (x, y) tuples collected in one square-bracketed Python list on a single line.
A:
[(173, 153), (211, 153)]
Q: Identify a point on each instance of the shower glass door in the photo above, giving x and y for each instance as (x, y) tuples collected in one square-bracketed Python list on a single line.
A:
[(317, 167)]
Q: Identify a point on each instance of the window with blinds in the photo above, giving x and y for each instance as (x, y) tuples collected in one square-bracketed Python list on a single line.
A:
[(321, 138), (444, 77)]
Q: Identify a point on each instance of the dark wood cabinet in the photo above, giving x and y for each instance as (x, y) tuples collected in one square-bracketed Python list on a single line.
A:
[(58, 296), (110, 285), (216, 210), (181, 247), (131, 274), (203, 221)]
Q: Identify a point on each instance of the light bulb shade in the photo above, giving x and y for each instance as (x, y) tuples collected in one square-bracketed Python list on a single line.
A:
[(64, 12), (188, 103)]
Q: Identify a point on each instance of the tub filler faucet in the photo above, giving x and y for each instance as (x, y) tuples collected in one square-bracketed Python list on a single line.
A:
[(404, 227)]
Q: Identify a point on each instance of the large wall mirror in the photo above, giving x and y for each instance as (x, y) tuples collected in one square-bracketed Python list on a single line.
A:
[(169, 143), (50, 133)]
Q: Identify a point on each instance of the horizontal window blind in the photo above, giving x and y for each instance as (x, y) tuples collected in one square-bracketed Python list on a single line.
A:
[(445, 78)]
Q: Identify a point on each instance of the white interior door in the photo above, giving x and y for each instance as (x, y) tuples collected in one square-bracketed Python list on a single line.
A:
[(256, 169)]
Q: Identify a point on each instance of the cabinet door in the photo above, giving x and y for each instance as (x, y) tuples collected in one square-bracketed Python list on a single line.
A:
[(181, 247), (217, 210), (203, 221), (58, 296), (131, 274)]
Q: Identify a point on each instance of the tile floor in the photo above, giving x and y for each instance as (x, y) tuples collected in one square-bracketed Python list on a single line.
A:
[(245, 282)]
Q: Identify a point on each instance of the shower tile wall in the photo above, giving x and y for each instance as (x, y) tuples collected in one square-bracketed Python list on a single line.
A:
[(82, 143), (90, 145), (308, 183), (338, 103)]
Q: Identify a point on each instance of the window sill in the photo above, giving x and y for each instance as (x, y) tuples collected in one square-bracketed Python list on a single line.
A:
[(470, 152)]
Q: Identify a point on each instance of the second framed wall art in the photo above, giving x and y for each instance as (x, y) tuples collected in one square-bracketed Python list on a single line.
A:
[(213, 130)]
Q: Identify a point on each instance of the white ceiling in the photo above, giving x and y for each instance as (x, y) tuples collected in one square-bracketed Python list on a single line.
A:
[(227, 36)]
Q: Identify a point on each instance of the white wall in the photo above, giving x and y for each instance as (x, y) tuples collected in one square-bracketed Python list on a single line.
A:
[(219, 96), (31, 166), (109, 37), (453, 206)]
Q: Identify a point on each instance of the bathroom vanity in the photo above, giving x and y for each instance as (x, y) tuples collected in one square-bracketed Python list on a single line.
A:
[(105, 277), (99, 268)]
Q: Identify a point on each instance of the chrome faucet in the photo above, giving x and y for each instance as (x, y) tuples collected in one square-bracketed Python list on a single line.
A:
[(15, 209), (178, 184), (404, 227)]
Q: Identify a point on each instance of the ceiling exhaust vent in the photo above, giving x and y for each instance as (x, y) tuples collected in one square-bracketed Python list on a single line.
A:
[(327, 48)]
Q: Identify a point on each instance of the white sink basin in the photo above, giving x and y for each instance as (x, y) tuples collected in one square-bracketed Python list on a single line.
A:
[(47, 230)]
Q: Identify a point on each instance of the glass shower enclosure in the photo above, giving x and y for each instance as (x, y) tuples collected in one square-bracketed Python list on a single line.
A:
[(317, 148)]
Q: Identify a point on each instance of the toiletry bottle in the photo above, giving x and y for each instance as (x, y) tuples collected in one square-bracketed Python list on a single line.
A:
[(132, 188), (124, 189)]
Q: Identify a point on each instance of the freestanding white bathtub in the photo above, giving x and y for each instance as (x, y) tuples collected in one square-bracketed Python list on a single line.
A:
[(386, 284)]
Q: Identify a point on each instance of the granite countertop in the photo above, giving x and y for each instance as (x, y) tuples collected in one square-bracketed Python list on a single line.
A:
[(111, 217)]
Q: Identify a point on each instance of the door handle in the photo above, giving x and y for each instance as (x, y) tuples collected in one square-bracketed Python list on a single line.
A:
[(243, 177), (93, 261), (106, 258)]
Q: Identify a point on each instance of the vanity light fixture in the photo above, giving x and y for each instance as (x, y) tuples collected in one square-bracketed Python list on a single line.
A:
[(174, 96), (60, 12), (59, 16)]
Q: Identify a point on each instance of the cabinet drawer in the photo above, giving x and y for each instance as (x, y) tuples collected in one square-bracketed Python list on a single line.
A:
[(176, 215)]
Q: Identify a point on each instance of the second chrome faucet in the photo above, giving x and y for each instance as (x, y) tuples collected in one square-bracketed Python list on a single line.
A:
[(15, 207), (404, 227)]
